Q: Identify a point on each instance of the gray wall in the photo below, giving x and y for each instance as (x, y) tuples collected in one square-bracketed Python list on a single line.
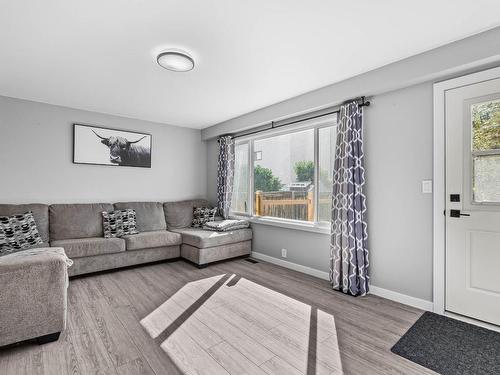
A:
[(398, 136), (36, 150), (398, 147)]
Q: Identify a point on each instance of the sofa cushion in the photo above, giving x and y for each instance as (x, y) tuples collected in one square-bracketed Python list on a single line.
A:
[(180, 214), (149, 215), (147, 240), (69, 221), (86, 247), (204, 238), (40, 213)]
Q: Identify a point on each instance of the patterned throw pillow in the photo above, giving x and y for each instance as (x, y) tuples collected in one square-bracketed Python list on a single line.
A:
[(202, 215), (18, 232), (119, 223)]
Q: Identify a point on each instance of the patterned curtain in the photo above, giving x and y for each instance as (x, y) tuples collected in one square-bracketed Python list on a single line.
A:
[(225, 175), (348, 244)]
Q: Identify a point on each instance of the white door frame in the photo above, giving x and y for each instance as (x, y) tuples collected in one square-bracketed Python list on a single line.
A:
[(439, 169)]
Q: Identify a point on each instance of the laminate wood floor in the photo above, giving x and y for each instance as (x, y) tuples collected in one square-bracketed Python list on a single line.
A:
[(229, 318)]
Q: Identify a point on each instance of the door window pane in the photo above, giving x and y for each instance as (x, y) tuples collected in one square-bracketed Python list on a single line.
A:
[(486, 186), (239, 202), (486, 125), (284, 176), (327, 140)]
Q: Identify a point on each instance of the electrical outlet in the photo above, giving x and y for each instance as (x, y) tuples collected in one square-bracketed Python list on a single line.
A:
[(283, 253)]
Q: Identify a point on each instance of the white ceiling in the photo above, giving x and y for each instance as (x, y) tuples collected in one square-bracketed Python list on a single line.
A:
[(100, 55)]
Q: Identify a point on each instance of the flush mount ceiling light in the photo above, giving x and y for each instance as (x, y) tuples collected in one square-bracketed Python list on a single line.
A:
[(175, 60)]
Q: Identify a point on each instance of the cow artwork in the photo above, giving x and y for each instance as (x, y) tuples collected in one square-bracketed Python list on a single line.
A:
[(125, 152), (95, 145)]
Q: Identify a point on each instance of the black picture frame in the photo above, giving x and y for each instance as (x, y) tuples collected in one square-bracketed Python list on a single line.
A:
[(120, 154)]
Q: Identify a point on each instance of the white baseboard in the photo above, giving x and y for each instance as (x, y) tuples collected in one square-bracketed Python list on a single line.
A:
[(293, 266), (381, 292), (402, 298)]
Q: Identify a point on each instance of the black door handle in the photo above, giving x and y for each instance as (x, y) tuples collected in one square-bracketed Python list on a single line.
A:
[(457, 213)]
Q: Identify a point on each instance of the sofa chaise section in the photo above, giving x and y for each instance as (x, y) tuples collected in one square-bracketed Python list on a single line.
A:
[(200, 246), (203, 247), (206, 238)]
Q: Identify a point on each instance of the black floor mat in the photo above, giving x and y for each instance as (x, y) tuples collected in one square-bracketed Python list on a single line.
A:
[(450, 347)]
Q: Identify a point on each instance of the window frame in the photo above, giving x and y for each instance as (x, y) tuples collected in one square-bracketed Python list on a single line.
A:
[(313, 226), (469, 153)]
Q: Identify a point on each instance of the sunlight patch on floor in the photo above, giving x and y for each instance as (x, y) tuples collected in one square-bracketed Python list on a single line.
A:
[(230, 325)]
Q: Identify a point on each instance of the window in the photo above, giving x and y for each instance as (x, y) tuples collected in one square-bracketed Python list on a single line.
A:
[(284, 176), (486, 151), (291, 173)]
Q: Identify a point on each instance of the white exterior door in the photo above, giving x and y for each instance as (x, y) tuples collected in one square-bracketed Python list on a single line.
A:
[(473, 200)]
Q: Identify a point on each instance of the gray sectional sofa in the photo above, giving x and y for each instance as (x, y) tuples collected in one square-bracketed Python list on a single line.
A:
[(165, 233)]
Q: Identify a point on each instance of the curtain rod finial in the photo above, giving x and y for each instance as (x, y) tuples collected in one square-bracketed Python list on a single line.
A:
[(364, 103)]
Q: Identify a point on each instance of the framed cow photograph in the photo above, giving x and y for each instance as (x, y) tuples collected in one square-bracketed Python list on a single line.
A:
[(104, 146)]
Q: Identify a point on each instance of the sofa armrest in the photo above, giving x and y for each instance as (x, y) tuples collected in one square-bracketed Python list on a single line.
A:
[(33, 301)]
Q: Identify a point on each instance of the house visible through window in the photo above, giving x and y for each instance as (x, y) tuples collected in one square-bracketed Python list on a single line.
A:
[(291, 173)]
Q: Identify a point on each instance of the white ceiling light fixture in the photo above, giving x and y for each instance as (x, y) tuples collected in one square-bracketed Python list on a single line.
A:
[(175, 60)]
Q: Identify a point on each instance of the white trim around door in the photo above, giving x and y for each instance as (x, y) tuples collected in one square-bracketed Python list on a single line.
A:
[(439, 162)]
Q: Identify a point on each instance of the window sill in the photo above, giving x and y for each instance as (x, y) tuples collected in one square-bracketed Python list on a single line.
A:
[(288, 224)]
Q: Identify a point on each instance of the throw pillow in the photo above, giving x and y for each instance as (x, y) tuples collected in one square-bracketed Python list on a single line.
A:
[(202, 215), (119, 223), (18, 232)]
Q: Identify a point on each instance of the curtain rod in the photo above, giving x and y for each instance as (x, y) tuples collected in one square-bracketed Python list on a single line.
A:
[(364, 103)]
